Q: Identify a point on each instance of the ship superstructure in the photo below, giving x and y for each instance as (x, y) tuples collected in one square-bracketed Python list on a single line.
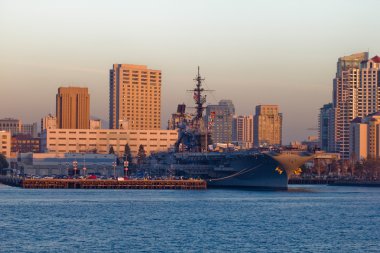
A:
[(193, 135)]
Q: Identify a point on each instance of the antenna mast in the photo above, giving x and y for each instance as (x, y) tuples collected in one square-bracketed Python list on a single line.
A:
[(199, 99)]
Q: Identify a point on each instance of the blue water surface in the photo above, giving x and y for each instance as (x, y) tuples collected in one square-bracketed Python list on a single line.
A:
[(303, 219)]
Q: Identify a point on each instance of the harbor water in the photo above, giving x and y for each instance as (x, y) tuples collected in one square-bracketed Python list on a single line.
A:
[(314, 218)]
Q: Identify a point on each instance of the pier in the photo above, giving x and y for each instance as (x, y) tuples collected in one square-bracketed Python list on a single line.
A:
[(189, 184), (310, 181), (363, 183)]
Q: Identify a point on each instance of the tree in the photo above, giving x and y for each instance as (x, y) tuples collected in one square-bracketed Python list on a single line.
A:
[(111, 151), (141, 155), (371, 168), (127, 154), (334, 167), (359, 169), (3, 163), (352, 166)]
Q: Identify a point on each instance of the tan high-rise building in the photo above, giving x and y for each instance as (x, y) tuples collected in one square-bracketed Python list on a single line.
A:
[(73, 108), (242, 130), (365, 137), (135, 97), (267, 125), (356, 93)]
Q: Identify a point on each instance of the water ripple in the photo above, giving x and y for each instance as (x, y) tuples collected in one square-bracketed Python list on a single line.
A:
[(309, 219)]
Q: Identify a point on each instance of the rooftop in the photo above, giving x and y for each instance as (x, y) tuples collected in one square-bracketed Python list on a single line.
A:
[(376, 59)]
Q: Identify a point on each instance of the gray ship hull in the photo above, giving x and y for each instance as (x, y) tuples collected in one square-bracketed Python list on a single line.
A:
[(265, 177), (229, 170), (260, 172)]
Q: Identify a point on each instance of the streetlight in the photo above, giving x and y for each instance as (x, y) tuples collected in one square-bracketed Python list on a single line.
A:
[(84, 165), (126, 168), (114, 169), (75, 165), (67, 167)]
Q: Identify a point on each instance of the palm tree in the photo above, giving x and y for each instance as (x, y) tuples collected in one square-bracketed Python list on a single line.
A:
[(127, 154), (3, 163), (141, 155)]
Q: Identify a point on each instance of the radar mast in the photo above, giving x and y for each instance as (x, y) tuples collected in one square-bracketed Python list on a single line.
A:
[(200, 100)]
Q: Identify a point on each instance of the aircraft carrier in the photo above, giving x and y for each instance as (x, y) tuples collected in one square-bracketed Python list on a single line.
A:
[(192, 157)]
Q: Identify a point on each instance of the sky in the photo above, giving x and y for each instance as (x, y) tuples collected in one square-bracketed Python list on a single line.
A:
[(252, 52)]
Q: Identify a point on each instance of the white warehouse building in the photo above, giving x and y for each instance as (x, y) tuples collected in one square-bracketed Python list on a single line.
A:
[(99, 141)]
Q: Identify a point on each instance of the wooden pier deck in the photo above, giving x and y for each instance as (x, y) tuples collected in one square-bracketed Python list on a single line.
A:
[(190, 184)]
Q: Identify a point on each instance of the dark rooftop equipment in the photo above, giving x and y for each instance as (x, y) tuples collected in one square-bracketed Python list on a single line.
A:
[(181, 108)]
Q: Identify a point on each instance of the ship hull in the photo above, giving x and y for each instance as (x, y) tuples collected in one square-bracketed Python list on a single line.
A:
[(235, 170), (260, 173), (265, 178)]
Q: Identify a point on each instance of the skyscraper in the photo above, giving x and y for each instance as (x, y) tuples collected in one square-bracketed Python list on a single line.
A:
[(326, 128), (242, 130), (73, 108), (135, 97), (229, 104), (356, 93), (267, 125), (219, 121), (344, 83)]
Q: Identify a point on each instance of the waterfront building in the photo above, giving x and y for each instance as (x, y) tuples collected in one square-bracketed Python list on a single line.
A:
[(326, 128), (358, 139), (356, 93), (23, 143), (48, 122), (135, 97), (5, 143), (73, 108), (346, 79), (15, 126), (365, 137), (95, 124), (101, 140), (219, 121), (43, 164), (267, 125), (242, 130)]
